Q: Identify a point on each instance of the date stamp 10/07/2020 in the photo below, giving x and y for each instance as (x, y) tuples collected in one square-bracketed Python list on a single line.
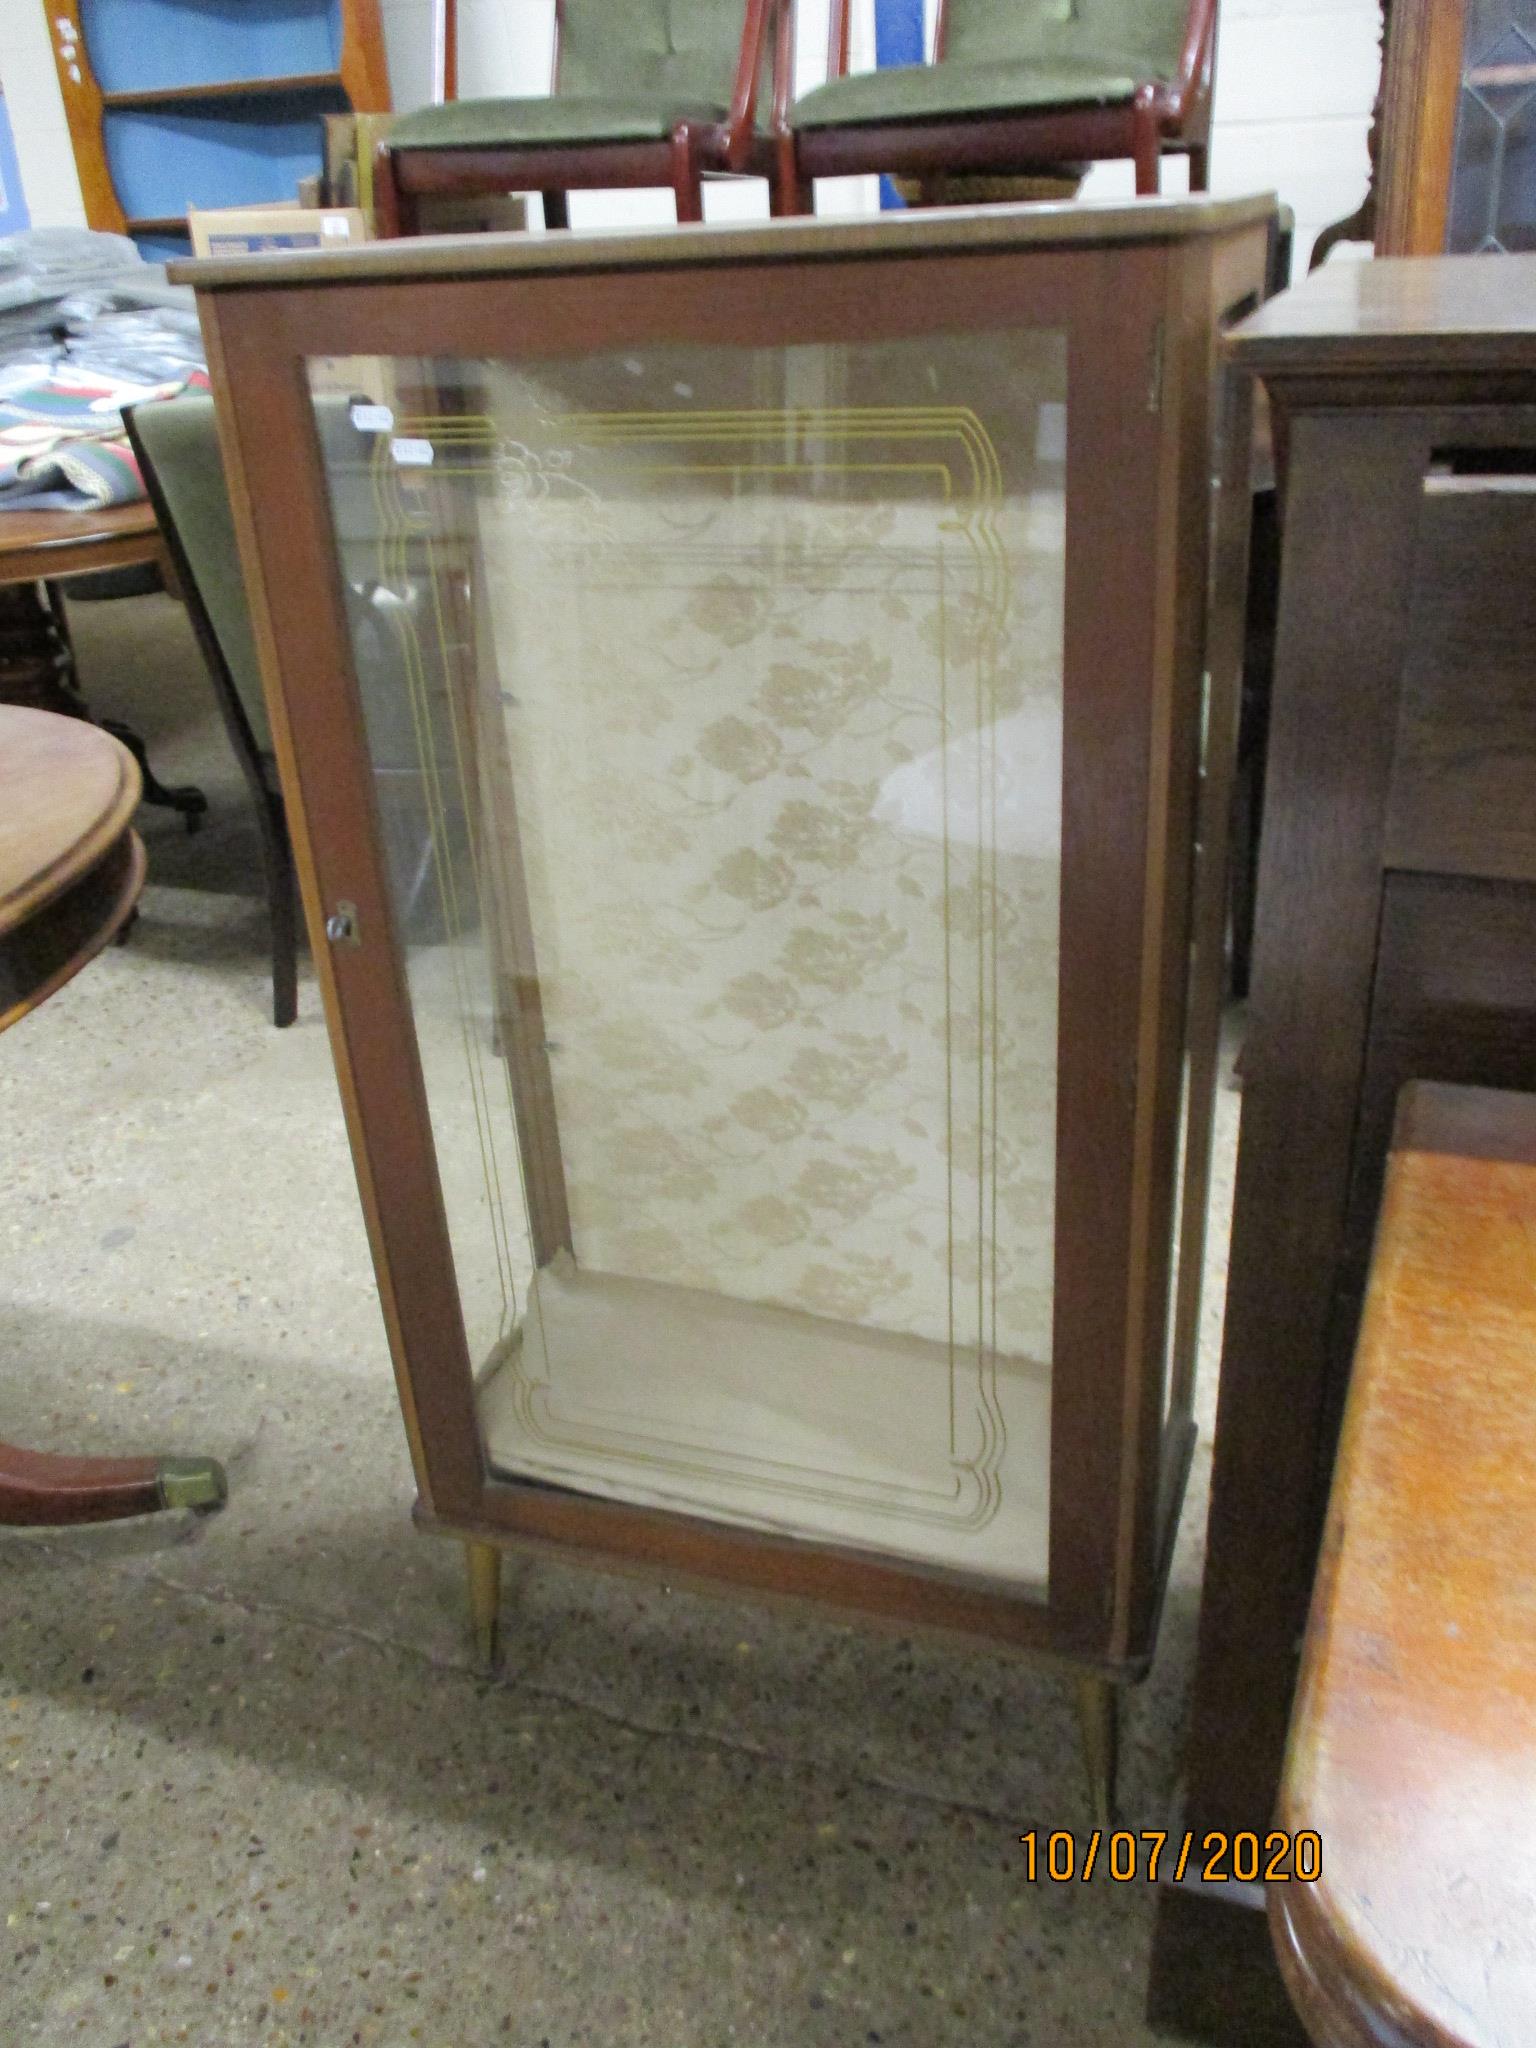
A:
[(1216, 1858)]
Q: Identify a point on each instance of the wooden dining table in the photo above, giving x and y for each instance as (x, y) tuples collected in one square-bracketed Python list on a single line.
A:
[(39, 545), (71, 869)]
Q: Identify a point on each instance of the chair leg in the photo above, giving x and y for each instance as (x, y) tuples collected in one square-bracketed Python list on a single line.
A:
[(1200, 167), (792, 202), (484, 1562), (1098, 1715), (790, 193), (282, 909), (386, 195), (687, 186), (557, 213), (1146, 148)]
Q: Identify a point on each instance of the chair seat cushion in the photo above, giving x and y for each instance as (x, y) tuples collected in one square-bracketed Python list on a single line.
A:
[(548, 120), (933, 92)]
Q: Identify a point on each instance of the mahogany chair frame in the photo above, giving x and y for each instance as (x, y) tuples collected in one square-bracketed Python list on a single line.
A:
[(694, 149), (1163, 117)]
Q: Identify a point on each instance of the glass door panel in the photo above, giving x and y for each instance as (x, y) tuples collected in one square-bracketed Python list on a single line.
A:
[(714, 698)]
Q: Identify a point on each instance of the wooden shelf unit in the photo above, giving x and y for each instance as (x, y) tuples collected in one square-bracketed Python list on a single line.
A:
[(223, 89)]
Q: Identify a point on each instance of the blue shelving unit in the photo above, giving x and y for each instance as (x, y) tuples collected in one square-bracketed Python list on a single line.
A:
[(178, 103)]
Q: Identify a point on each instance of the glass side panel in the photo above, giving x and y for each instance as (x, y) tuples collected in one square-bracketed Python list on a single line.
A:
[(715, 701)]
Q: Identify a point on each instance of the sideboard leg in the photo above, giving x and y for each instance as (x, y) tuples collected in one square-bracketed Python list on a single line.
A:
[(1098, 1720), (484, 1561)]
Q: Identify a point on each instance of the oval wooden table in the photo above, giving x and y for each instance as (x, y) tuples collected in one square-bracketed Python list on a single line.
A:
[(71, 868), (1413, 1747)]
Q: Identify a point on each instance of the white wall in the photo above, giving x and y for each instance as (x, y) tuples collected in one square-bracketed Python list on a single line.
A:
[(37, 116), (1294, 84), (1295, 80)]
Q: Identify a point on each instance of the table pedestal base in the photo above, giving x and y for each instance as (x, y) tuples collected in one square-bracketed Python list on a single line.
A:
[(42, 1489), (37, 670)]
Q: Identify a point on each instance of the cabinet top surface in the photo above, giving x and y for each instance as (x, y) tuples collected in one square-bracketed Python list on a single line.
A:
[(1419, 312), (940, 231)]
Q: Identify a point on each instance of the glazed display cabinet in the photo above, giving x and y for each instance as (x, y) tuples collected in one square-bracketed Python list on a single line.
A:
[(742, 696)]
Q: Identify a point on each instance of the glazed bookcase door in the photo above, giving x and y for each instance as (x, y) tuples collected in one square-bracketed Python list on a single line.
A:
[(714, 701)]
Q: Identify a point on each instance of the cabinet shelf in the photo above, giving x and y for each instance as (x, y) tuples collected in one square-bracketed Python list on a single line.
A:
[(223, 89)]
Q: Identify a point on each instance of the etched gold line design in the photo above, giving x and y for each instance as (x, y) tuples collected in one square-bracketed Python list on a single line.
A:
[(974, 521), (394, 566), (989, 1409)]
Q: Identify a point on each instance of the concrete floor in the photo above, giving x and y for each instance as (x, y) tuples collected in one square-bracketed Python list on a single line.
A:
[(253, 1788)]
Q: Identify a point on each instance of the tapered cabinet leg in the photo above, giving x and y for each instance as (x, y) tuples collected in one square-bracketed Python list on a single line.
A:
[(1098, 1719), (484, 1561)]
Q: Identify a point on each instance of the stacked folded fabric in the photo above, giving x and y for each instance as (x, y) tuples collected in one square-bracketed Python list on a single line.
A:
[(87, 329)]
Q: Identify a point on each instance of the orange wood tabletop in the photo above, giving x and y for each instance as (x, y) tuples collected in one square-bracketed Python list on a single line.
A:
[(36, 545), (1413, 1746), (68, 792)]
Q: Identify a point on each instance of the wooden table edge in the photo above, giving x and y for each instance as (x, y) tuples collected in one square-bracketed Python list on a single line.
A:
[(76, 861)]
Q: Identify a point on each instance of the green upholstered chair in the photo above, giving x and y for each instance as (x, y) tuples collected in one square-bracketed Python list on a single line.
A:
[(1016, 85), (176, 441), (645, 92)]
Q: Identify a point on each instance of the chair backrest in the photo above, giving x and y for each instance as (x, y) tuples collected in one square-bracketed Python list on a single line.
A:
[(178, 439), (1151, 32), (684, 49)]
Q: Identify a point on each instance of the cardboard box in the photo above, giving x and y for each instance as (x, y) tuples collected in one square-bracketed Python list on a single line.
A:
[(243, 230)]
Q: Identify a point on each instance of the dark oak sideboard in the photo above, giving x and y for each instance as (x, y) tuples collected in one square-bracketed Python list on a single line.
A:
[(1396, 939)]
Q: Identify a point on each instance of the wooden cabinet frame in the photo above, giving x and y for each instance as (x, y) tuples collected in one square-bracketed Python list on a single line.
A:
[(1140, 292)]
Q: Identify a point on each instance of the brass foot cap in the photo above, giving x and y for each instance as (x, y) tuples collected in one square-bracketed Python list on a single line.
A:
[(192, 1483)]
